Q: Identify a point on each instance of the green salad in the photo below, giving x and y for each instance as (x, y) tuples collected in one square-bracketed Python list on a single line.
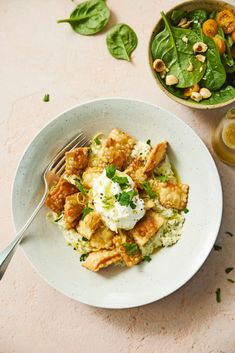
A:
[(194, 55)]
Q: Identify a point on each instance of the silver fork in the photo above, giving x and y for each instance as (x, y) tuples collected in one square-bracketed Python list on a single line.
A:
[(55, 168)]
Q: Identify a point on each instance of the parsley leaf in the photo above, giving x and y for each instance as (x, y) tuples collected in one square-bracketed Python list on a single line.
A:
[(228, 269), (148, 189), (83, 257), (125, 198), (97, 141), (81, 187), (46, 98), (185, 210), (84, 239), (122, 181), (217, 247), (148, 142), (218, 295), (86, 211), (131, 248), (110, 171), (147, 258)]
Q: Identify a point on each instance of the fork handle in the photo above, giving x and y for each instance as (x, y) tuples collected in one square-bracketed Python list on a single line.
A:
[(7, 253)]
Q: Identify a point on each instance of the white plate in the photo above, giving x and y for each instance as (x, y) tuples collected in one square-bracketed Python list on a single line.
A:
[(170, 268)]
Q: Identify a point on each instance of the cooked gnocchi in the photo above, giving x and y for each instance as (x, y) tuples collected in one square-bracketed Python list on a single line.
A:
[(118, 200)]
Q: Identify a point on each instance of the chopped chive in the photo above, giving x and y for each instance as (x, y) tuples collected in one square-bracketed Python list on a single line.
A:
[(229, 233), (46, 98), (84, 239), (217, 247), (228, 269), (81, 187), (218, 295), (230, 280), (162, 178), (148, 189)]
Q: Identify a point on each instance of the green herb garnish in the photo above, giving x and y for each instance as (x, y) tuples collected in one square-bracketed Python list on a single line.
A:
[(83, 257), (131, 248), (162, 178), (110, 171), (146, 186), (86, 211), (148, 142), (84, 239), (147, 258), (229, 269), (121, 41), (218, 295), (125, 198), (185, 210), (46, 98), (229, 233), (230, 280), (58, 219), (97, 141), (80, 187), (217, 247), (122, 181)]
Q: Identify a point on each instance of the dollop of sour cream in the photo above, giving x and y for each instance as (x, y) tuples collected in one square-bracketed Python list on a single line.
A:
[(105, 194)]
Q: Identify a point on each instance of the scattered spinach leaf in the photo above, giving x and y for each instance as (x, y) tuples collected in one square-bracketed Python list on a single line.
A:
[(218, 295), (177, 15), (110, 171), (146, 186), (83, 257), (217, 247), (86, 211), (89, 17), (131, 248), (177, 55), (229, 269), (121, 41), (46, 98)]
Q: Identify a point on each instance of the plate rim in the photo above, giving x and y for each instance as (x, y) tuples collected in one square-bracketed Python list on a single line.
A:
[(155, 106)]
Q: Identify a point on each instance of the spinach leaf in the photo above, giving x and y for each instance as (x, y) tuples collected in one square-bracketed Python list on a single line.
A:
[(177, 55), (177, 15), (227, 58), (121, 41), (213, 14), (215, 75), (198, 17), (89, 17), (223, 95)]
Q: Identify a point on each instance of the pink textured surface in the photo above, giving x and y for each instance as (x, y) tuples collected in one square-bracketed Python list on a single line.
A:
[(37, 57)]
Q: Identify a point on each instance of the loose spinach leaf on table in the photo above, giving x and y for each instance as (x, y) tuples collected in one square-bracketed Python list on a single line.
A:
[(89, 17), (215, 75), (223, 95), (121, 41), (198, 17), (169, 46)]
